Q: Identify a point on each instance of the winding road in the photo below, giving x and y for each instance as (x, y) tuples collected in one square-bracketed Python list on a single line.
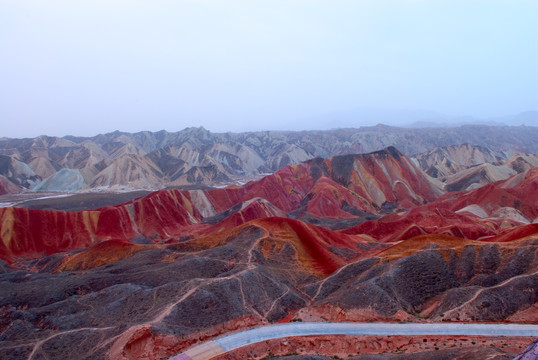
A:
[(210, 349)]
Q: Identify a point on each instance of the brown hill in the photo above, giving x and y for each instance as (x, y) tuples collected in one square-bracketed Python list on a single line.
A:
[(17, 173)]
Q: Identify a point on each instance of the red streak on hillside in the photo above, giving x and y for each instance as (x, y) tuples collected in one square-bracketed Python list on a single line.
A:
[(439, 217), (315, 246), (521, 232), (30, 232), (284, 189), (426, 221), (100, 254), (328, 197), (363, 181), (386, 176), (312, 242), (163, 214), (257, 209), (321, 188), (519, 192), (158, 216)]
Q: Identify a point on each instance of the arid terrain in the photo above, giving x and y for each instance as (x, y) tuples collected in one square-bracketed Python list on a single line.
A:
[(195, 156), (428, 231)]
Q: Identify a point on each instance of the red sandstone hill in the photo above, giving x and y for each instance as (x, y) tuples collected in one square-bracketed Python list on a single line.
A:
[(152, 276), (29, 232), (473, 214), (342, 187)]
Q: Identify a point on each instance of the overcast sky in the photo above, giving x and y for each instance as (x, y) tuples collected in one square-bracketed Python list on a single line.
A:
[(91, 66)]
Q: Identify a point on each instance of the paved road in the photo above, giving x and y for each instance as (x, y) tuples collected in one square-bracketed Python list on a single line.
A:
[(209, 349)]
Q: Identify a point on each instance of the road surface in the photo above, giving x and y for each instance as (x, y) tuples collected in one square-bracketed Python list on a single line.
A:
[(210, 349)]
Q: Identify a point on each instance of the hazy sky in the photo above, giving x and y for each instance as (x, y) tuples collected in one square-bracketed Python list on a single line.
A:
[(90, 66)]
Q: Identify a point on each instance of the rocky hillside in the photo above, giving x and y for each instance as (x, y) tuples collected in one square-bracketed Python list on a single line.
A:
[(348, 188), (448, 160), (152, 276), (197, 156), (466, 166)]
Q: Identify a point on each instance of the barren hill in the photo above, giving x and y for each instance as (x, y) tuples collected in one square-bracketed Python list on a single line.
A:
[(350, 187), (152, 276), (197, 156)]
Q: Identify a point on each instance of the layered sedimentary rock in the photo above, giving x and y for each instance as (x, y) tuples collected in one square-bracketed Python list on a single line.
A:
[(154, 275), (463, 167), (342, 187), (444, 161)]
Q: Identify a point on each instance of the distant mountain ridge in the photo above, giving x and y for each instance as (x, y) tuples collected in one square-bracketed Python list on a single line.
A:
[(161, 159), (526, 118)]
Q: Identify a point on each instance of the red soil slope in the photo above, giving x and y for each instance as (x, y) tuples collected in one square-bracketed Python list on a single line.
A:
[(160, 215), (255, 209), (519, 192), (363, 181), (420, 221), (443, 216), (105, 252), (317, 249)]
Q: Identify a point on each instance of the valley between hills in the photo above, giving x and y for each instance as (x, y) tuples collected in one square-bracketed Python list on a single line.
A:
[(140, 246)]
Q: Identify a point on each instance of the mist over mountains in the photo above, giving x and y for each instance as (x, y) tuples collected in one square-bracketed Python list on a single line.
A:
[(416, 118)]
